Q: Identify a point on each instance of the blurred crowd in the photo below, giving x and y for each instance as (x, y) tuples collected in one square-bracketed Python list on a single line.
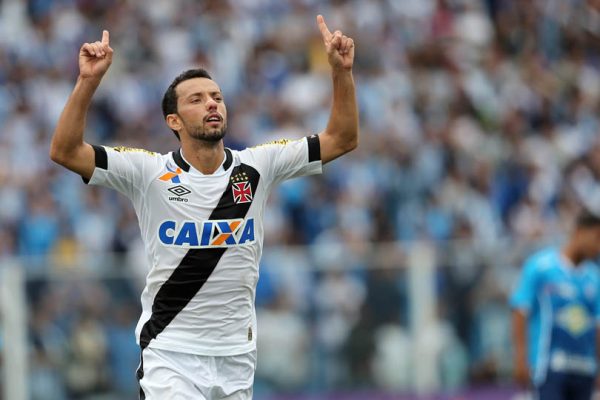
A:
[(479, 122)]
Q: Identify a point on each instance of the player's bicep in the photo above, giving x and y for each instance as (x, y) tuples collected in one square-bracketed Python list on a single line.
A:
[(82, 160), (333, 147)]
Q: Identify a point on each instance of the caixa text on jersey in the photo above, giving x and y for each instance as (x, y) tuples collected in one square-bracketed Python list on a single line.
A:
[(210, 233)]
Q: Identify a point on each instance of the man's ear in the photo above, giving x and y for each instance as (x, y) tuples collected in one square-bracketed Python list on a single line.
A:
[(174, 122)]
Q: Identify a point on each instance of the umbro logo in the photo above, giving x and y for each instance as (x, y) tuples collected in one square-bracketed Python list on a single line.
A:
[(179, 191)]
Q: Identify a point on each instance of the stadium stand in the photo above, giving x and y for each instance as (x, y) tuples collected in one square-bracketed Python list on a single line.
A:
[(479, 137)]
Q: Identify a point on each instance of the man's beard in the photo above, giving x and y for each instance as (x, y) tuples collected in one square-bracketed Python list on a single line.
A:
[(210, 135)]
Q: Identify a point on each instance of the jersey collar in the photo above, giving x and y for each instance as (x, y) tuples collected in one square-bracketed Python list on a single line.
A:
[(181, 163)]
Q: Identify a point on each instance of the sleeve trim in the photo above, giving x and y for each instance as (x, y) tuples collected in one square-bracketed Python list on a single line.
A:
[(314, 148), (101, 157), (100, 160)]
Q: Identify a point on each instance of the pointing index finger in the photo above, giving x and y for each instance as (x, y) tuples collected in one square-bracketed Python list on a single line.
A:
[(105, 37), (323, 28)]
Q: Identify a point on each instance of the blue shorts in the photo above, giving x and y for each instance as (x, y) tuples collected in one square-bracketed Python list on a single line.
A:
[(565, 386)]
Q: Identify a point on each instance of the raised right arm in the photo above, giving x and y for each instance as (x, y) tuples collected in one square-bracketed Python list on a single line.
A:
[(68, 147)]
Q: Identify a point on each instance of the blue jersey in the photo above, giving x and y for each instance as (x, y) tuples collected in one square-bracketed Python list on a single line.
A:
[(563, 307)]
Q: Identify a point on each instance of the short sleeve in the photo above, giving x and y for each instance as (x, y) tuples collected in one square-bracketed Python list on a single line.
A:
[(120, 168), (523, 297), (286, 159)]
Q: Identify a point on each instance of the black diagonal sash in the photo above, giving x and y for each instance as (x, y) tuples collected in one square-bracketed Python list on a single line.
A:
[(196, 266)]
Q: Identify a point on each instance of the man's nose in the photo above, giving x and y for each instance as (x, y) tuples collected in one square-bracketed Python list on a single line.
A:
[(211, 104)]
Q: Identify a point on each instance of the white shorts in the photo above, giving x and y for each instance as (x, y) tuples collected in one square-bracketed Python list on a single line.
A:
[(180, 376)]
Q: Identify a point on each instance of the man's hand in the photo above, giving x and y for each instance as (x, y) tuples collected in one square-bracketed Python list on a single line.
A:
[(339, 47), (95, 58), (68, 147)]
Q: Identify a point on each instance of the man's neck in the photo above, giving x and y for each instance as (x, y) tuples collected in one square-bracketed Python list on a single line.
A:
[(206, 157), (570, 253)]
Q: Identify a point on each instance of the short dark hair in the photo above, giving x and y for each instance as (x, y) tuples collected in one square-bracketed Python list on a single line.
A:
[(169, 101), (587, 219)]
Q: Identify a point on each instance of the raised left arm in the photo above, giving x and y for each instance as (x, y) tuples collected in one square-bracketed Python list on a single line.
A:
[(341, 134)]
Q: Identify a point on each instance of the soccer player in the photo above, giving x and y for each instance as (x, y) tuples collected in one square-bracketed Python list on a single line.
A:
[(556, 311), (200, 211)]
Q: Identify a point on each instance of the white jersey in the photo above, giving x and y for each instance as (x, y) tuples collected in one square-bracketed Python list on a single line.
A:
[(203, 236)]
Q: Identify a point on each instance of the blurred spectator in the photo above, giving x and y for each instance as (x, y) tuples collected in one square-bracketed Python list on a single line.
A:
[(39, 229), (339, 297), (87, 365), (479, 123), (123, 355), (283, 337)]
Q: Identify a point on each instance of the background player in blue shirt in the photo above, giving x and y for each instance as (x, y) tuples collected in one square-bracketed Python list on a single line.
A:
[(556, 310)]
